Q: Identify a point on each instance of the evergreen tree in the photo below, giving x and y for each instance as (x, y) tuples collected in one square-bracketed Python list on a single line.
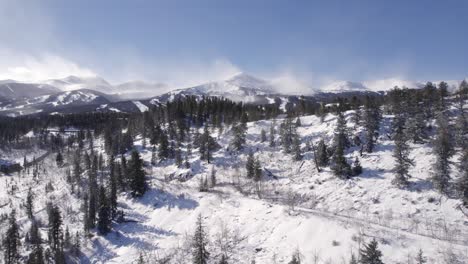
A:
[(137, 175), (207, 145), (272, 134), (420, 258), (340, 166), (370, 254), (56, 233), (11, 241), (401, 153), (238, 139), (257, 169), (322, 153), (104, 214), (371, 123), (462, 183), (200, 254), (36, 256), (357, 168), (59, 159), (213, 177), (29, 204), (250, 165), (113, 187), (263, 136), (163, 152), (223, 259), (443, 149), (153, 155), (297, 148), (353, 259)]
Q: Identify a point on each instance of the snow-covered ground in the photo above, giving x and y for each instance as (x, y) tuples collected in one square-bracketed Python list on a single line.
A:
[(323, 217)]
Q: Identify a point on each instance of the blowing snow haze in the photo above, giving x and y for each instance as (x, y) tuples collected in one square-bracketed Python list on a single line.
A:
[(214, 132)]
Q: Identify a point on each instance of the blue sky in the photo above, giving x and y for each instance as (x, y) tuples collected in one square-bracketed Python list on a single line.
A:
[(196, 40)]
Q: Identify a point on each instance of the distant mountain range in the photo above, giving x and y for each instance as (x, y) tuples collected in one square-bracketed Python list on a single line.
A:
[(74, 93)]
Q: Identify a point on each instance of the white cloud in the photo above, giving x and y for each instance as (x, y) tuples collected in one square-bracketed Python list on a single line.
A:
[(29, 68)]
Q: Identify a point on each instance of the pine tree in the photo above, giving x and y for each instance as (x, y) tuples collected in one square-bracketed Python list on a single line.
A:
[(30, 204), (462, 182), (11, 241), (163, 152), (322, 153), (420, 259), (207, 145), (223, 259), (238, 139), (213, 177), (113, 187), (357, 168), (263, 136), (401, 154), (340, 166), (56, 233), (353, 259), (137, 175), (200, 254), (250, 165), (36, 256), (370, 254), (153, 155), (371, 123), (257, 169), (272, 134), (59, 159), (443, 149), (104, 214), (297, 148)]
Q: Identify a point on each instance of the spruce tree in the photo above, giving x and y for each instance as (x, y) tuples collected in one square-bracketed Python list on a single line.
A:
[(30, 204), (462, 182), (59, 159), (104, 220), (56, 234), (153, 155), (263, 136), (322, 153), (163, 151), (357, 168), (401, 154), (200, 254), (340, 166), (238, 139), (223, 259), (137, 175), (297, 148), (272, 134), (443, 149), (370, 254), (11, 241), (113, 187), (250, 165), (207, 145), (257, 169), (420, 258)]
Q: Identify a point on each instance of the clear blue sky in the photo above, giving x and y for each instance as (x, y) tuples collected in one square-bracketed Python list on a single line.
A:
[(420, 39)]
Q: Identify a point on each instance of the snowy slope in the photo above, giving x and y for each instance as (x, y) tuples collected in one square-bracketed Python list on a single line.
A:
[(329, 218)]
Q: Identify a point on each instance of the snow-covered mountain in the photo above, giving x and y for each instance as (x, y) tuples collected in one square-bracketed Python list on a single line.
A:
[(240, 87), (11, 90), (75, 83)]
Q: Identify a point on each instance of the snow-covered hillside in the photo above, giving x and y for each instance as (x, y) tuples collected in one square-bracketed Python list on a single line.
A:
[(293, 208)]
